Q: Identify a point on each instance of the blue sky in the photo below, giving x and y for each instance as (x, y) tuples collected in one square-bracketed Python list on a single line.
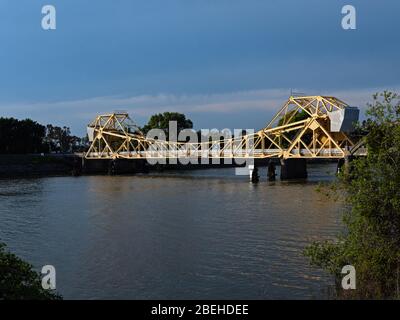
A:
[(223, 63)]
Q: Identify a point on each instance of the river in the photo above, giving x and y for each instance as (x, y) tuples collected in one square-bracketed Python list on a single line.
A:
[(201, 234)]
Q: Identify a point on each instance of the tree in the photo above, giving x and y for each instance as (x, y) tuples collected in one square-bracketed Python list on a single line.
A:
[(371, 241), (161, 121), (18, 280), (60, 139), (28, 136), (21, 136), (294, 116), (297, 115)]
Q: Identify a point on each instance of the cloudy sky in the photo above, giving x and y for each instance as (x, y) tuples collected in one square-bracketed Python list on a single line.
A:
[(224, 63)]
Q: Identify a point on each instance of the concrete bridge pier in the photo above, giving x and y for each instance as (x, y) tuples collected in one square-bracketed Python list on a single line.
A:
[(340, 165), (98, 166), (344, 164), (253, 172), (127, 166), (293, 168), (271, 171), (77, 167), (114, 166)]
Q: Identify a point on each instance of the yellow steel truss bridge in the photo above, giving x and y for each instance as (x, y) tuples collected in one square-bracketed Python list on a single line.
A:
[(305, 127)]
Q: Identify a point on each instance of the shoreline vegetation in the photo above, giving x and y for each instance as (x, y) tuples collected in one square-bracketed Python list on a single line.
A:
[(370, 188), (19, 280)]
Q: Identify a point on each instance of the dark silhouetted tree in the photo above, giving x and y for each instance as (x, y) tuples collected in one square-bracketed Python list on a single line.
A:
[(21, 136), (18, 280), (161, 121)]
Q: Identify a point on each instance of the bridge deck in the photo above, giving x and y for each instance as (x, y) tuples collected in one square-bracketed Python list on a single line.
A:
[(226, 154)]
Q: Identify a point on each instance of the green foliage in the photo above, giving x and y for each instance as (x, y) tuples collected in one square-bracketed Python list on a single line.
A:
[(161, 121), (18, 281), (60, 139), (297, 116), (371, 242), (28, 136), (21, 136)]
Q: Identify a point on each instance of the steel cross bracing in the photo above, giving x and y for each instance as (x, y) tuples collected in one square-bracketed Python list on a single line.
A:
[(301, 129)]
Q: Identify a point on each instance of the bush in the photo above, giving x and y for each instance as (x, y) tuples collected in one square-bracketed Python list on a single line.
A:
[(371, 241), (18, 280)]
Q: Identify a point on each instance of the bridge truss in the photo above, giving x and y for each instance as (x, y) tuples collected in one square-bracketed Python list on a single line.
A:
[(301, 129)]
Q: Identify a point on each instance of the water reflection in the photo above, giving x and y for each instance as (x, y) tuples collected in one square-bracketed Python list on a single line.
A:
[(196, 234)]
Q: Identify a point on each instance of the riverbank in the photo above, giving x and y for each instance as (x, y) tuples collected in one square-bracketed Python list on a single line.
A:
[(37, 165), (20, 165)]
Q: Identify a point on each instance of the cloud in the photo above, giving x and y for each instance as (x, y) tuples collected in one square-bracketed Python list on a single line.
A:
[(77, 113), (143, 106)]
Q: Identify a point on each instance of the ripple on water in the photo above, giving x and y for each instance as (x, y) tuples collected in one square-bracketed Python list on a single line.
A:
[(194, 234)]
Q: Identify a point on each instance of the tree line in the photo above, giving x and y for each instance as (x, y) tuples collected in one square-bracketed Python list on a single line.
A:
[(28, 136)]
